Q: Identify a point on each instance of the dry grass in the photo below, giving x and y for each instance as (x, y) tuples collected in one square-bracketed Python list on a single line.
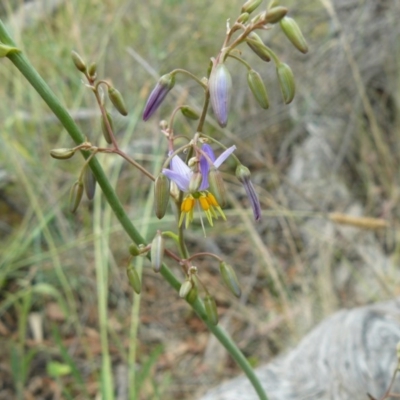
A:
[(293, 270)]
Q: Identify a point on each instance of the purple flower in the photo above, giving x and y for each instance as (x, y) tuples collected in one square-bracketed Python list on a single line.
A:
[(243, 174), (181, 173), (157, 96)]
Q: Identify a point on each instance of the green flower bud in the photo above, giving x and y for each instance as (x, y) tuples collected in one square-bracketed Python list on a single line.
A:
[(134, 250), (217, 186), (134, 279), (190, 113), (211, 309), (293, 33), (104, 129), (186, 287), (195, 182), (230, 279), (78, 61), (258, 89), (117, 100), (75, 196), (243, 18), (275, 14), (257, 45), (250, 6), (62, 154), (286, 82), (5, 50), (161, 195), (92, 70), (193, 294), (89, 183), (157, 251), (273, 3)]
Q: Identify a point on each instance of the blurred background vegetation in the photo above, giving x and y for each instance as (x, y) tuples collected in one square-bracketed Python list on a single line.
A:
[(295, 267)]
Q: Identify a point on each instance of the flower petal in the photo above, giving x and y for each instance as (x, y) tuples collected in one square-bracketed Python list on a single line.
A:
[(222, 157), (181, 180), (205, 165), (254, 202)]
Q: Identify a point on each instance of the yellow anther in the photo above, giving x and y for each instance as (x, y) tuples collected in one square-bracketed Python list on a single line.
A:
[(205, 205), (187, 204), (212, 200)]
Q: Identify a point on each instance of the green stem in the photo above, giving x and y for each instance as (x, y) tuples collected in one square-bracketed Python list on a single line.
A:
[(24, 66)]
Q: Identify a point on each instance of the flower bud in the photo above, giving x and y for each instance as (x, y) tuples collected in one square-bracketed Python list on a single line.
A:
[(117, 100), (220, 87), (157, 251), (192, 295), (217, 186), (275, 14), (75, 196), (273, 3), (258, 89), (89, 183), (78, 61), (92, 70), (157, 96), (134, 279), (250, 6), (195, 182), (161, 195), (62, 154), (230, 279), (190, 113), (186, 287), (293, 33), (286, 82), (243, 18), (134, 250), (104, 129), (211, 309), (257, 45), (243, 174)]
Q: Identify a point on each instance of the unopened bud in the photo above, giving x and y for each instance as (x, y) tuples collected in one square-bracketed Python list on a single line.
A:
[(92, 70), (157, 251), (134, 250), (275, 14), (75, 196), (104, 128), (230, 279), (211, 309), (134, 279), (117, 100), (157, 96), (195, 182), (257, 45), (293, 33), (186, 287), (192, 295), (190, 113), (217, 186), (89, 183), (220, 87), (78, 61), (250, 6), (258, 89), (161, 195), (273, 3), (62, 154), (286, 82), (243, 18)]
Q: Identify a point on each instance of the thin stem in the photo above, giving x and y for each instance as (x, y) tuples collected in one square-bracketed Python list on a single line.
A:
[(24, 66), (190, 75)]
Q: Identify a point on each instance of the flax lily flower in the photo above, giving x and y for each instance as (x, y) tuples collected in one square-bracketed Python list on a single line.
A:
[(182, 174)]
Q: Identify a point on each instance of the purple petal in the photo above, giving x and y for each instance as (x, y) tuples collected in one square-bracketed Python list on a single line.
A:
[(181, 180), (205, 165), (157, 96), (252, 195), (222, 157)]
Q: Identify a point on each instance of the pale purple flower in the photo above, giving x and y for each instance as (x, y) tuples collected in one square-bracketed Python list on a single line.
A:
[(181, 173)]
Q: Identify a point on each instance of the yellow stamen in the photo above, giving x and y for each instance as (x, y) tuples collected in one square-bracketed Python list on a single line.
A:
[(205, 205), (212, 200), (187, 204)]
